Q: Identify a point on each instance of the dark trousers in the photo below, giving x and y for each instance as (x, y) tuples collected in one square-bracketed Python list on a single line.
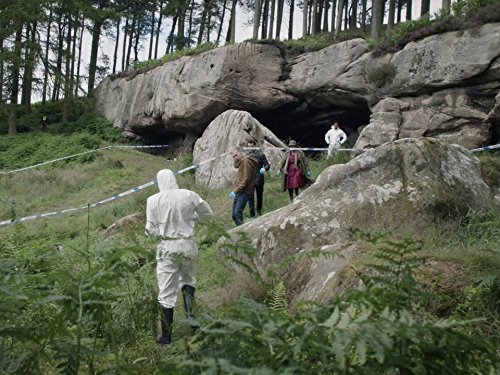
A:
[(290, 193), (259, 192), (239, 203)]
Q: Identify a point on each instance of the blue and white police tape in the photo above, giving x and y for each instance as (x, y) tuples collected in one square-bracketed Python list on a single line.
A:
[(79, 154), (303, 149), (107, 200), (486, 148)]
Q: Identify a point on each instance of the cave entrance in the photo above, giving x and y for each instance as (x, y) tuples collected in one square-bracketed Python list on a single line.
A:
[(308, 127)]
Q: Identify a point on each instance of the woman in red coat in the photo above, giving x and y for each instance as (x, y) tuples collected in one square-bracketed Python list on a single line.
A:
[(295, 171)]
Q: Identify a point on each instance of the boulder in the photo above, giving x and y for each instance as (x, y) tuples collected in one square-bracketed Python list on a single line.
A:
[(405, 187), (126, 223), (230, 129), (448, 115)]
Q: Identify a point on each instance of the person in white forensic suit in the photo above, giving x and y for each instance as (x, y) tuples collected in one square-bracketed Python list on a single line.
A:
[(334, 138), (171, 215)]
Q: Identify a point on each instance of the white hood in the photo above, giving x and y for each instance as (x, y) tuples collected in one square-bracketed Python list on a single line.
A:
[(166, 180)]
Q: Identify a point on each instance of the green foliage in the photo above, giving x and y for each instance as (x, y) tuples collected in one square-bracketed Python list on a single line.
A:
[(89, 306), (377, 330), (22, 150), (278, 300), (149, 64), (490, 169), (53, 110), (464, 15)]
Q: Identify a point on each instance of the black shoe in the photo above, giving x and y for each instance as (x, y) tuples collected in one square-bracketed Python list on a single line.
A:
[(188, 297), (167, 319)]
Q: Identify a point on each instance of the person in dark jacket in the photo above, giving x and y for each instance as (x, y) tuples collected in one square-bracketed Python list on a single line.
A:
[(247, 168), (262, 166)]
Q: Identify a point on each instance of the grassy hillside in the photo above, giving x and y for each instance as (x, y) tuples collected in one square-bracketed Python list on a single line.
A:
[(89, 305)]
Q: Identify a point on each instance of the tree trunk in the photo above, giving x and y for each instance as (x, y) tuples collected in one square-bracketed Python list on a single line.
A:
[(446, 5), (377, 19), (232, 23), (363, 15), (279, 18), (158, 29), (152, 32), (1, 71), (353, 24), (346, 15), (256, 20), (170, 42), (408, 10), (290, 20), (181, 42), (124, 46), (80, 43), (15, 81), (46, 58), (265, 19), (390, 20), (203, 20), (117, 43), (94, 51), (137, 40), (29, 68), (326, 7), (314, 21), (130, 42), (58, 72), (339, 17), (271, 19), (305, 15), (333, 18), (67, 77), (223, 15), (399, 11), (209, 22), (190, 23), (424, 7)]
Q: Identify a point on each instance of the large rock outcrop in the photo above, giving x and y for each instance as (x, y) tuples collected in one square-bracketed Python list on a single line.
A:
[(301, 96), (406, 187), (445, 115), (228, 130)]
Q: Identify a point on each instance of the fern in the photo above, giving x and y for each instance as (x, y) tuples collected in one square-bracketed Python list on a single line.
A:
[(277, 300)]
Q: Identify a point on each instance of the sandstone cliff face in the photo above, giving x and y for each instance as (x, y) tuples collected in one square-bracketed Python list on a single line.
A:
[(405, 187), (434, 81)]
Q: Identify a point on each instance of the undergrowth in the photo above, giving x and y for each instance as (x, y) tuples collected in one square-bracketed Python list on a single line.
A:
[(74, 299)]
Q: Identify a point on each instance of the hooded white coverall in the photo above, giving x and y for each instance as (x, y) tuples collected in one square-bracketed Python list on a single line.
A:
[(334, 138), (171, 215)]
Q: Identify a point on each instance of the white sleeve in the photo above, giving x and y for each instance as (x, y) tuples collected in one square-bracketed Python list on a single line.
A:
[(151, 227), (203, 210), (327, 137), (344, 137)]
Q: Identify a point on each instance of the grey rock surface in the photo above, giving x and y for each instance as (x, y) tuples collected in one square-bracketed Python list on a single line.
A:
[(447, 115), (407, 187), (231, 129), (303, 95)]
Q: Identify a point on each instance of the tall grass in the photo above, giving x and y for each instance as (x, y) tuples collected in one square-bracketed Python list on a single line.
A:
[(74, 299)]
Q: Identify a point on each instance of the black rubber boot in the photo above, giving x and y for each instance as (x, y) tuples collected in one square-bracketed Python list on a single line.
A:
[(167, 320), (188, 297)]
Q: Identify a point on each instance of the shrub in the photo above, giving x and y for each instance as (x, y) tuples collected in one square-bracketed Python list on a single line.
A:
[(377, 330)]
